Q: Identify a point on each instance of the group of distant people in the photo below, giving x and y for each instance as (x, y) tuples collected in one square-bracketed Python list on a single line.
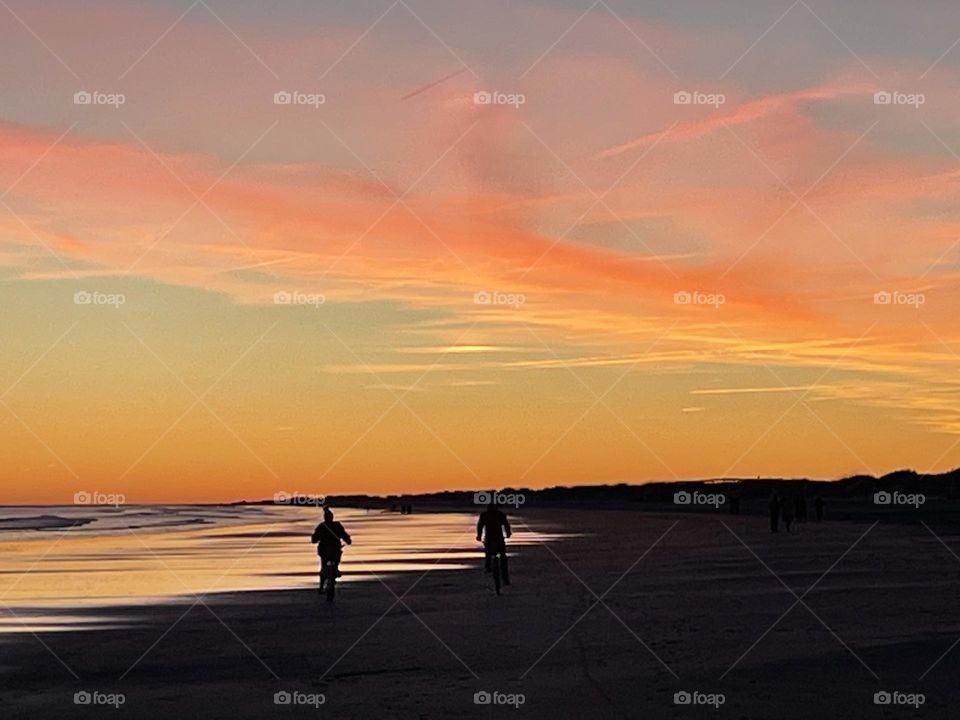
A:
[(791, 510)]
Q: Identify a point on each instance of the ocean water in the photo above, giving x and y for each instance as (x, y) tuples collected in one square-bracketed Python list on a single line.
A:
[(65, 567)]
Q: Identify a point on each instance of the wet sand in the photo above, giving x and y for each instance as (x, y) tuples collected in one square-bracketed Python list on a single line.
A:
[(684, 605)]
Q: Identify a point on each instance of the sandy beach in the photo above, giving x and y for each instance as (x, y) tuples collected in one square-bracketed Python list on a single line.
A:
[(611, 622)]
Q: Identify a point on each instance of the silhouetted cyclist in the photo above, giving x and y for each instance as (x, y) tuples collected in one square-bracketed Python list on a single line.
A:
[(491, 528), (328, 536)]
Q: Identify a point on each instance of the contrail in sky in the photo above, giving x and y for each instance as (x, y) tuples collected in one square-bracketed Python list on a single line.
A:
[(424, 88)]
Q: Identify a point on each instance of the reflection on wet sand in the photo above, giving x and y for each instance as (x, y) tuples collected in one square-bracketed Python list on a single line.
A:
[(64, 568)]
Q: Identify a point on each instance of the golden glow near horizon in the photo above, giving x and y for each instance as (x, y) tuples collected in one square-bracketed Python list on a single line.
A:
[(573, 262)]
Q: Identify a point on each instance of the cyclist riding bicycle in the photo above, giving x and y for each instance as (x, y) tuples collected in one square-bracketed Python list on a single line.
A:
[(328, 536), (491, 528)]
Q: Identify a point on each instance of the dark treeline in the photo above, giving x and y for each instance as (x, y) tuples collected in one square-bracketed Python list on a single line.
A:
[(946, 485)]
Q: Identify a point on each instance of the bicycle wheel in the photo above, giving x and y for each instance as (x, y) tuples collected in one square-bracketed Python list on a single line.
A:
[(331, 581)]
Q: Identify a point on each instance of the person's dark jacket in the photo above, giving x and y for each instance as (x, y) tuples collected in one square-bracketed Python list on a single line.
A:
[(496, 525), (328, 537)]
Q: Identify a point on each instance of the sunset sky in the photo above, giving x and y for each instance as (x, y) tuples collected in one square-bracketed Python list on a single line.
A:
[(499, 281)]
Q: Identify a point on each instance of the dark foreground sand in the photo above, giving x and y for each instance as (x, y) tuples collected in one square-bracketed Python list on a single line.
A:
[(696, 613)]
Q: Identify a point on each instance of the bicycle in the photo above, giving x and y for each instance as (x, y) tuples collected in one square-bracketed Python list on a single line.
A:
[(498, 563), (331, 573)]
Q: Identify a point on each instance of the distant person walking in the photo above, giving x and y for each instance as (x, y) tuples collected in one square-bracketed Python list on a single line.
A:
[(491, 529), (328, 536), (818, 507), (786, 511), (774, 513)]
